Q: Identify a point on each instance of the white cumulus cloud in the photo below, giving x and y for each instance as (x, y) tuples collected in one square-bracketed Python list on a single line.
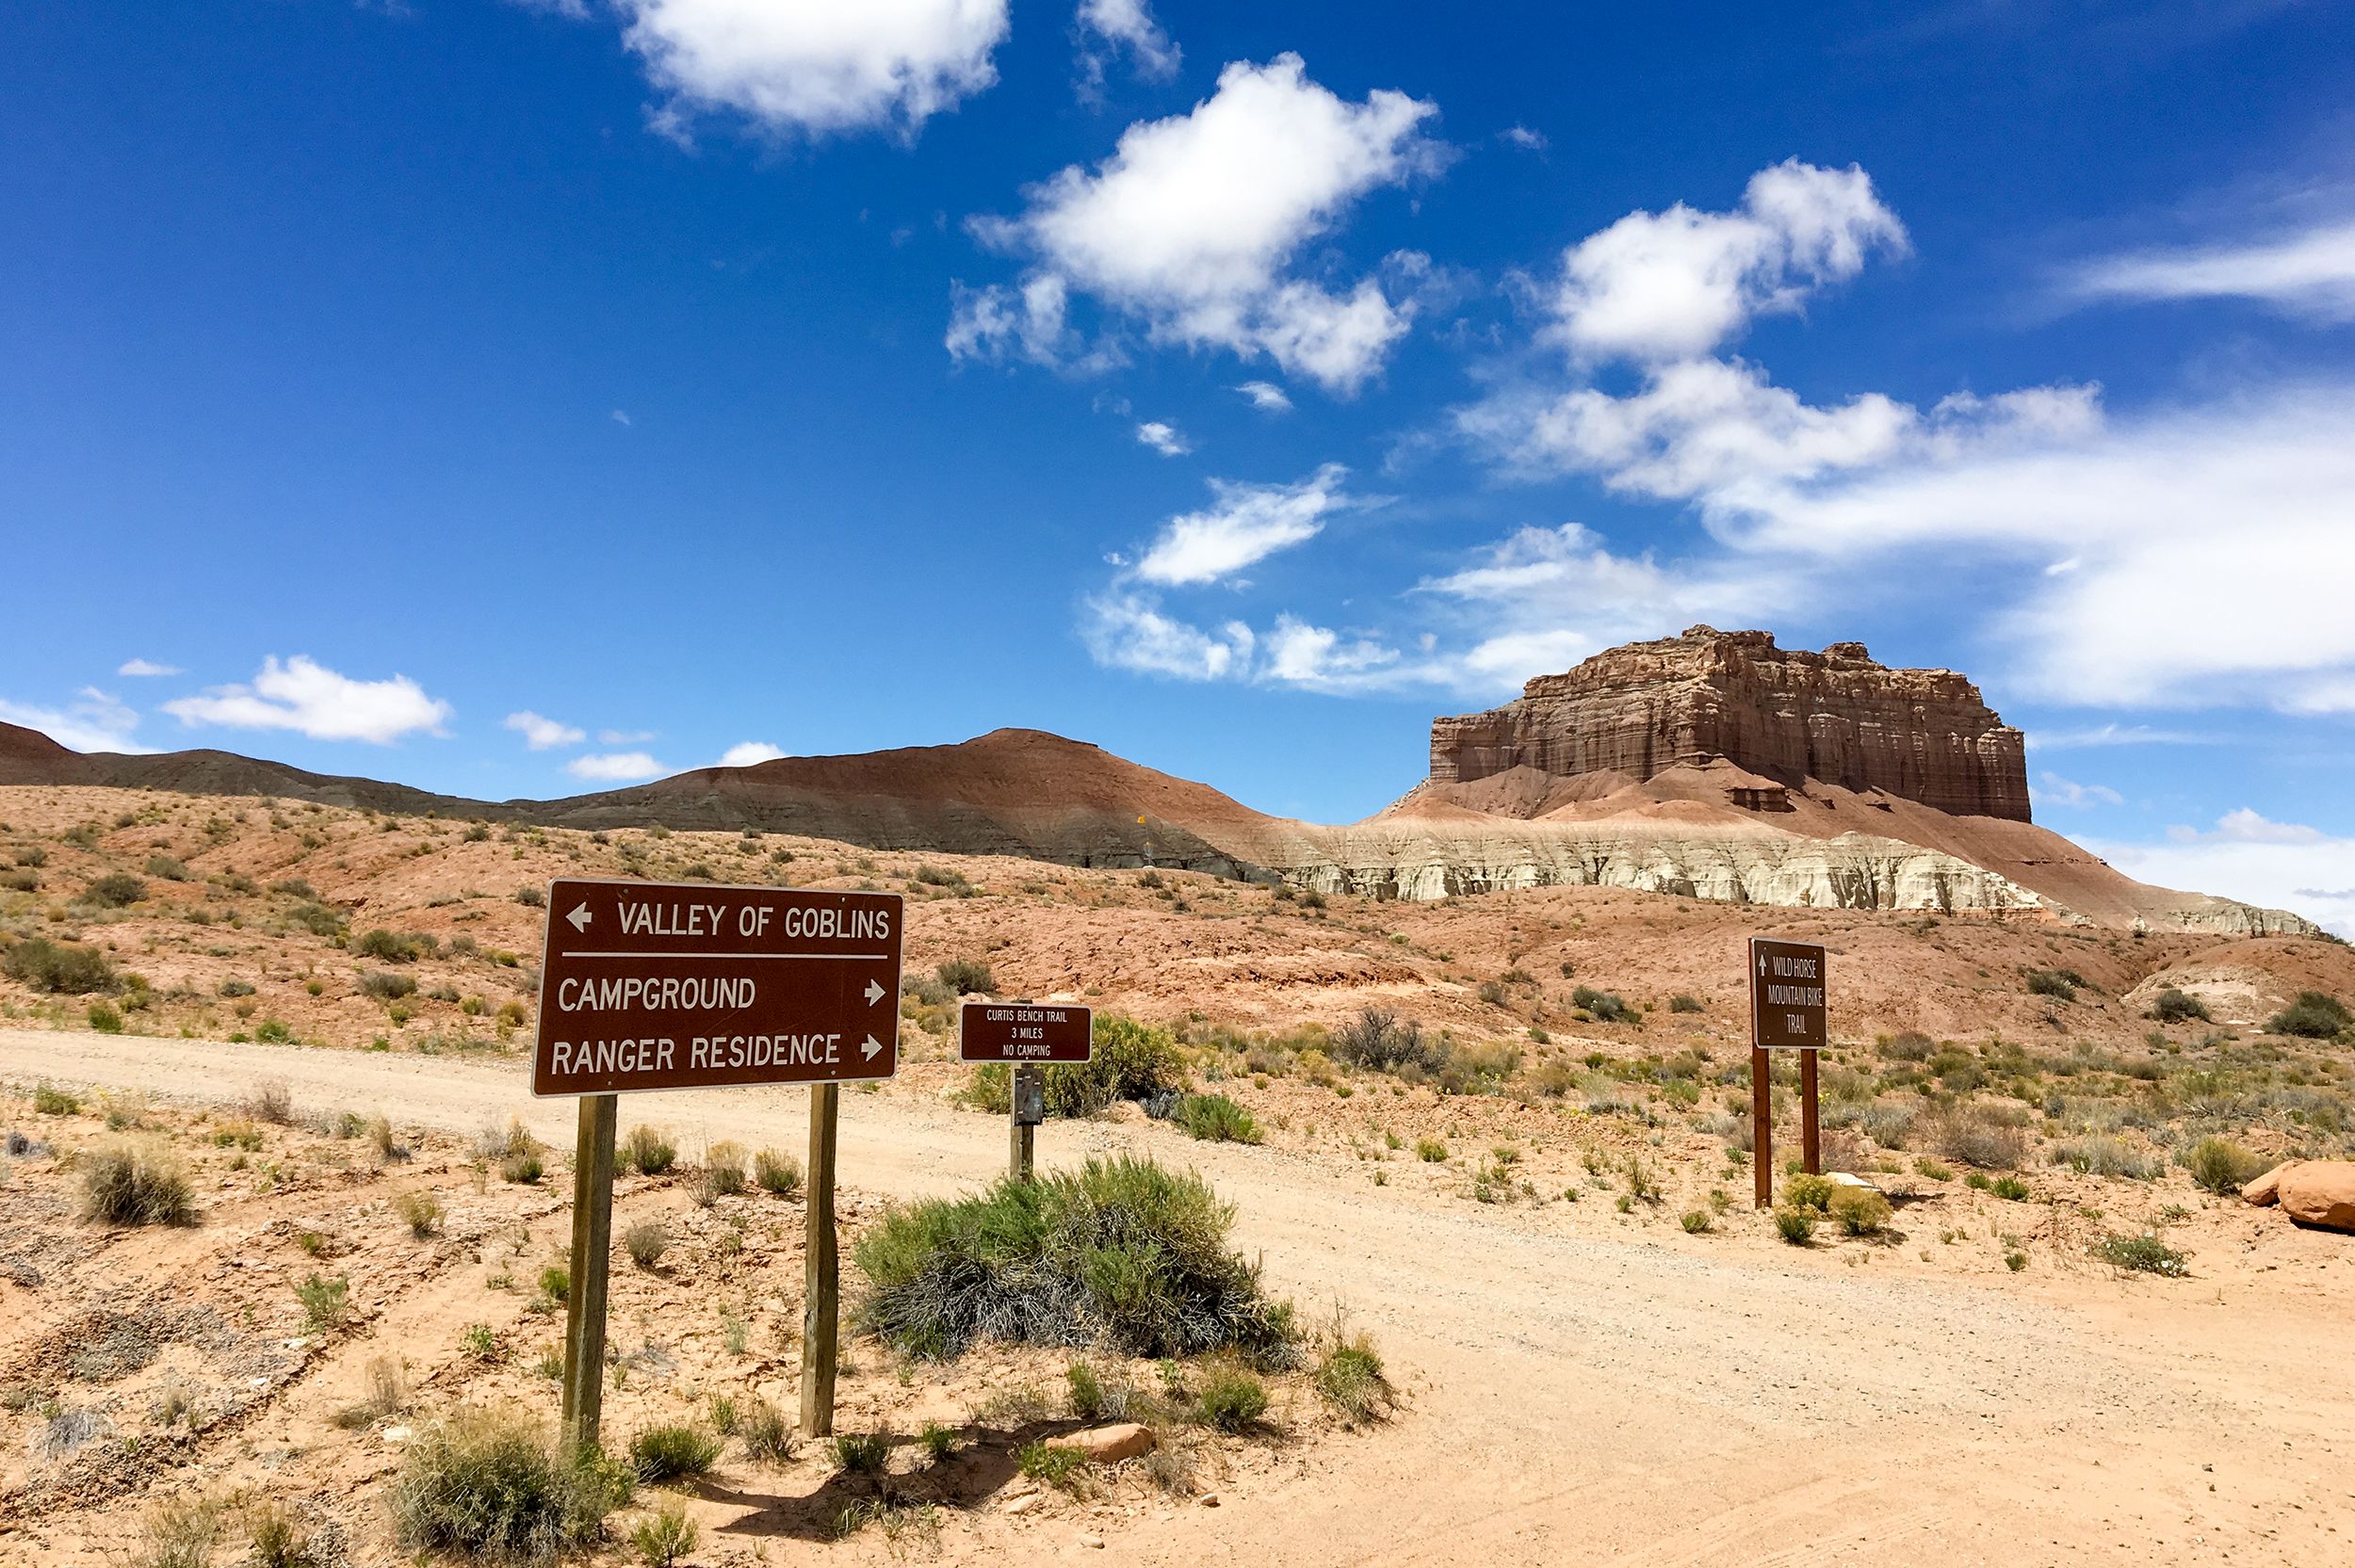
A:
[(1674, 283), (1266, 397), (814, 66), (747, 753), (304, 696), (2247, 856), (93, 721), (1122, 25), (2050, 789), (1195, 223), (1246, 523), (2310, 272), (147, 668), (541, 734), (1163, 438), (615, 767), (1129, 631)]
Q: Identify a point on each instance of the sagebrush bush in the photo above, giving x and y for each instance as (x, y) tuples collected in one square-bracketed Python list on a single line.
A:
[(115, 890), (2060, 984), (670, 1451), (2313, 1016), (1215, 1119), (60, 968), (387, 986), (723, 1173), (1977, 1134), (668, 1537), (1381, 1042), (1133, 1061), (1350, 1379), (767, 1432), (487, 1484), (647, 1241), (126, 1185), (2221, 1166), (1795, 1225), (1231, 1399), (1806, 1191), (778, 1173), (2171, 1006), (965, 975), (649, 1150), (1859, 1210), (1119, 1253), (1604, 1006), (383, 945), (2102, 1156)]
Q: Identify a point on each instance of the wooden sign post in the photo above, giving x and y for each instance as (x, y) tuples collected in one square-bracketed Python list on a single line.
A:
[(1028, 1035), (1786, 1014), (651, 986)]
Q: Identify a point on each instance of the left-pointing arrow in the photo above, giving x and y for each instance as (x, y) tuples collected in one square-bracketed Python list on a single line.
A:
[(579, 917), (873, 1047)]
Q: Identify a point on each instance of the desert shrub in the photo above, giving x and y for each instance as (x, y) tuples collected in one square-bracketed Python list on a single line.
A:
[(1683, 1003), (317, 919), (1604, 1006), (115, 890), (1795, 1225), (522, 1167), (1493, 993), (938, 1442), (104, 1018), (20, 879), (49, 1100), (386, 986), (1120, 1252), (384, 945), (1977, 1134), (767, 1432), (2171, 1006), (2061, 984), (181, 1532), (125, 1184), (294, 887), (1695, 1220), (1908, 1045), (721, 1174), (1859, 1210), (2220, 1165), (61, 968), (324, 1301), (1216, 1118), (670, 1537), (1482, 1069), (1231, 1399), (676, 1449), (1349, 1378), (420, 1211), (2313, 1016), (1381, 1042), (649, 1150), (2100, 1156), (1806, 1191), (531, 897), (2010, 1189), (234, 988), (778, 1173), (2141, 1254), (487, 1484), (1430, 1150), (1133, 1061), (166, 868), (279, 1538), (1042, 1461), (965, 975), (647, 1241), (861, 1453)]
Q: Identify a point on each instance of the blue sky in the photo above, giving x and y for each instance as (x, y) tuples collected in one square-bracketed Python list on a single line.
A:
[(516, 398)]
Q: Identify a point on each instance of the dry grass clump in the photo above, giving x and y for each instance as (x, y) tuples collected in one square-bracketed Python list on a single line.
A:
[(647, 1241), (1983, 1136), (487, 1484), (133, 1185), (722, 1173), (271, 1101), (778, 1173), (420, 1211), (2223, 1165), (649, 1150)]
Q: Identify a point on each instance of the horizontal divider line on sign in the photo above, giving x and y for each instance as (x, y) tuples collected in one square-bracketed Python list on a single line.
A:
[(657, 953)]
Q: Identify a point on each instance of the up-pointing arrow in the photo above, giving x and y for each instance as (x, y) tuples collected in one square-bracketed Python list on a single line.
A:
[(873, 1047), (874, 992), (579, 917)]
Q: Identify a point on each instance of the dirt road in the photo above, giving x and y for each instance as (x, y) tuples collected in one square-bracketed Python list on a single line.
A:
[(1648, 1398)]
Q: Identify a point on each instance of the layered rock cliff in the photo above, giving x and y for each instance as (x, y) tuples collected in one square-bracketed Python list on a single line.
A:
[(1839, 717)]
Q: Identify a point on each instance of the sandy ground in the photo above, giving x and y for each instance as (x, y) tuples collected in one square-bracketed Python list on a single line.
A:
[(1651, 1398)]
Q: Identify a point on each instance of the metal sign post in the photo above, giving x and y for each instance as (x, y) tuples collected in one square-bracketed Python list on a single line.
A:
[(1786, 1014), (1028, 1035), (654, 986)]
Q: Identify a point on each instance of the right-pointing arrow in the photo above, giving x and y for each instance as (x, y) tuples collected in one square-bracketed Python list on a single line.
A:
[(873, 1047), (874, 992)]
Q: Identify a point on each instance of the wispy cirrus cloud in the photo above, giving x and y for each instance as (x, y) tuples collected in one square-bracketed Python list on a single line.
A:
[(2307, 271)]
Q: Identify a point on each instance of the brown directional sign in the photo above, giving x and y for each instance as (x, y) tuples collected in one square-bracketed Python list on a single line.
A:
[(1786, 995), (650, 985), (1025, 1031)]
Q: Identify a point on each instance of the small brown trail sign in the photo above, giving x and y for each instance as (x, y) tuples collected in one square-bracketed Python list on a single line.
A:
[(1787, 1013), (649, 986), (1025, 1031), (1026, 1035)]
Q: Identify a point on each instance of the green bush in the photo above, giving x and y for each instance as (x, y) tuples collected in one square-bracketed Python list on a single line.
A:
[(2171, 1006), (767, 1433), (49, 1100), (1805, 1191), (1683, 1003), (1795, 1225), (965, 975), (1381, 1042), (2061, 984), (1350, 1380), (386, 986), (666, 1452), (1133, 1061), (383, 945), (115, 890), (487, 1484), (2010, 1189), (1232, 1399), (861, 1453), (2223, 1165), (166, 868), (1120, 1252), (778, 1173), (669, 1538), (1860, 1211), (1053, 1465), (105, 1019), (1216, 1118), (649, 1150), (2141, 1254), (1605, 1007), (129, 1186), (2313, 1016), (61, 968), (324, 1301)]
